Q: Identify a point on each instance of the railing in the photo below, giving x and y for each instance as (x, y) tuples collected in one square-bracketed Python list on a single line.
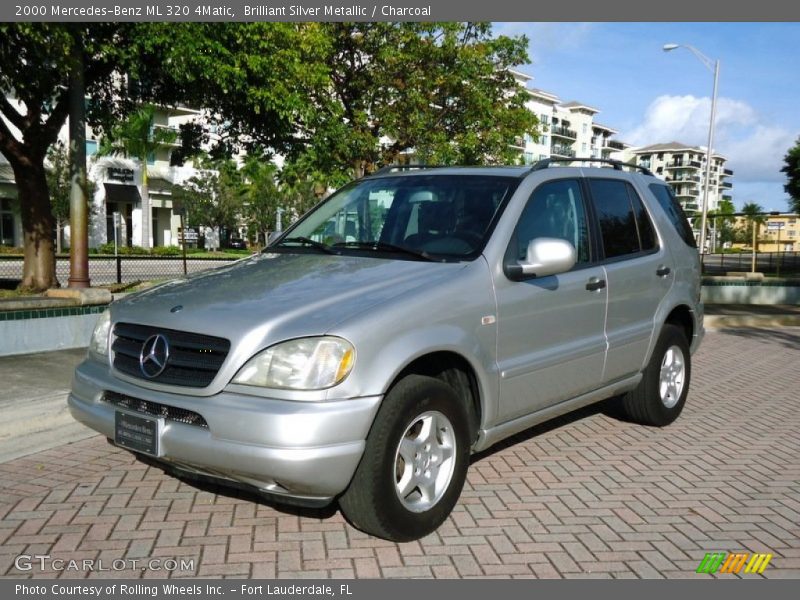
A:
[(105, 270), (564, 132), (563, 151), (773, 263)]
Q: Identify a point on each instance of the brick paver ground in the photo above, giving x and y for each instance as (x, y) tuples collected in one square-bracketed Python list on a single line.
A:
[(588, 496)]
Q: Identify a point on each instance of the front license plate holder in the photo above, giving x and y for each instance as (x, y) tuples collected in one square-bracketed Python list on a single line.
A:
[(138, 433)]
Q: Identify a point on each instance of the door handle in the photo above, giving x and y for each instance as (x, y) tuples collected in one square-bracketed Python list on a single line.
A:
[(595, 283), (663, 271)]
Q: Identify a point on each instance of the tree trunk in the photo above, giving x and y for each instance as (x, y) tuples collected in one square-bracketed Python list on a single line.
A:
[(39, 271)]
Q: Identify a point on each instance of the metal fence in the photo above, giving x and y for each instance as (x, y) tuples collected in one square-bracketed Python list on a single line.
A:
[(773, 263), (106, 270)]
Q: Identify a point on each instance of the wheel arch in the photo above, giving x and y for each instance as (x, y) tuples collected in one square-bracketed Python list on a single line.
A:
[(454, 370)]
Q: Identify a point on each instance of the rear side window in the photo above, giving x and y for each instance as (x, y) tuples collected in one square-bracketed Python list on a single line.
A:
[(625, 227), (672, 207)]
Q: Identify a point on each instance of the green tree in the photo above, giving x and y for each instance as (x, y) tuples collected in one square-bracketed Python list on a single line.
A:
[(251, 76), (215, 198), (442, 91), (724, 220), (35, 63), (262, 197), (139, 137), (754, 218), (792, 170)]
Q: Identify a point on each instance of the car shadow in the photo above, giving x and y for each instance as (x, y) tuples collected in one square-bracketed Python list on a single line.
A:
[(610, 408)]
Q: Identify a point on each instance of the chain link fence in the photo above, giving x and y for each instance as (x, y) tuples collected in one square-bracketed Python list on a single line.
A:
[(107, 270)]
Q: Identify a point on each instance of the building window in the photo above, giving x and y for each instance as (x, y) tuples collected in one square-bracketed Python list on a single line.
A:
[(583, 147), (585, 129), (91, 147), (545, 140), (545, 119)]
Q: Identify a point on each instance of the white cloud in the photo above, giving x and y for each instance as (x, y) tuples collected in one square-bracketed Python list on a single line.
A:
[(755, 149)]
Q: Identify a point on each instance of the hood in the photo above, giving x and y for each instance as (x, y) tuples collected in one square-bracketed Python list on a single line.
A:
[(277, 296)]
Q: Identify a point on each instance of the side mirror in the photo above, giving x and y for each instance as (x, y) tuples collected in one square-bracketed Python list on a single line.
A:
[(546, 256)]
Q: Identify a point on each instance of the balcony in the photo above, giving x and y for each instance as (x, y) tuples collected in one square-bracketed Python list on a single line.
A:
[(726, 184), (680, 178), (727, 172), (681, 165), (690, 207), (561, 131), (615, 145), (727, 197), (562, 151)]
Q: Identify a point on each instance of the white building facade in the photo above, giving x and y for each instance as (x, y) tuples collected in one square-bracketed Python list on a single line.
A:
[(684, 168), (568, 129)]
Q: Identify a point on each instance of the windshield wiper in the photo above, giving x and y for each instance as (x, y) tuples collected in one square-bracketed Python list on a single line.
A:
[(308, 242), (387, 247)]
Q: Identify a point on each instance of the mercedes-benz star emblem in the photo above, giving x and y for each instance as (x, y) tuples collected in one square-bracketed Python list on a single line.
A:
[(154, 355)]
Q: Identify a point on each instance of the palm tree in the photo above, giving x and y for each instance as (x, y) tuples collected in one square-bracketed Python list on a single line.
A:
[(754, 215), (137, 137)]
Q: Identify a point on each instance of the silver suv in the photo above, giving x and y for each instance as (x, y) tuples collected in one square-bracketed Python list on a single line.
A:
[(413, 318)]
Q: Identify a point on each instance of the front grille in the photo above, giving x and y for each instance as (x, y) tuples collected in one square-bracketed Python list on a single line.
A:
[(194, 359), (154, 409)]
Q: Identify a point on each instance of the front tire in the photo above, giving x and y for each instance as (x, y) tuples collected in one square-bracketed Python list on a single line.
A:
[(661, 394), (414, 464)]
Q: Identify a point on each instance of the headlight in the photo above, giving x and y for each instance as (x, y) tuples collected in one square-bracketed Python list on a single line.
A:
[(98, 345), (312, 363)]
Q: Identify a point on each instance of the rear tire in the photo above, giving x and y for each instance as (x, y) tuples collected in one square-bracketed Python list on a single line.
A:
[(414, 464), (661, 394)]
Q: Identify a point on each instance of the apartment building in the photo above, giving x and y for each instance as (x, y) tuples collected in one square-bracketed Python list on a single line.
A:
[(684, 167), (568, 129)]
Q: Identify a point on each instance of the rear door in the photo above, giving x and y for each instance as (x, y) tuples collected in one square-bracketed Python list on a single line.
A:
[(551, 341), (638, 272)]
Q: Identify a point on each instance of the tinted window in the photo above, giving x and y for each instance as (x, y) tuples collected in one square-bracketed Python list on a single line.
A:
[(555, 210), (615, 214), (677, 217), (647, 235)]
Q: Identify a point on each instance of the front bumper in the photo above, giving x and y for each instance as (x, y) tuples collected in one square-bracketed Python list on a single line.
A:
[(304, 451)]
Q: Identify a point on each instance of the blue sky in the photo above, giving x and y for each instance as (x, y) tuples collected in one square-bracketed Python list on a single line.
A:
[(652, 96)]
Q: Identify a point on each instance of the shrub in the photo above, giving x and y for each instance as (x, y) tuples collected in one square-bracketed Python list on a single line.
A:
[(166, 251)]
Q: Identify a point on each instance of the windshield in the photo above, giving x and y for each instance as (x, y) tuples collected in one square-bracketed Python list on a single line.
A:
[(439, 216)]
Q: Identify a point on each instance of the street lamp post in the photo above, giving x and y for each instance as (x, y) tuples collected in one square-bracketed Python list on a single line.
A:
[(713, 66)]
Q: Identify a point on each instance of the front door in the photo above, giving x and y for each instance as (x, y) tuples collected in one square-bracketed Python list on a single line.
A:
[(551, 340)]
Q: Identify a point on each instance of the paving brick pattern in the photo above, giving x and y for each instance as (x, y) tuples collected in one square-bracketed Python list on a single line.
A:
[(587, 496)]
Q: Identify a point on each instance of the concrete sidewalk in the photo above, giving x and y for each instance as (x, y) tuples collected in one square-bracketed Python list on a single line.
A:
[(33, 402)]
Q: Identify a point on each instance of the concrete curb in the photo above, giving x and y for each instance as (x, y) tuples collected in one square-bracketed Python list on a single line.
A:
[(755, 321)]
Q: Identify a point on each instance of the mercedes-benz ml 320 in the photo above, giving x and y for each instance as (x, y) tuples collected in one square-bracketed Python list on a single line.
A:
[(413, 318)]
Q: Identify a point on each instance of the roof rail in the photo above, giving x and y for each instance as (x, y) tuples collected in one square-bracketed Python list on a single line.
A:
[(408, 167), (617, 164)]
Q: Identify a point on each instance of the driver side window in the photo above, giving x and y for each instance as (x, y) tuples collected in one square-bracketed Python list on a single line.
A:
[(555, 210)]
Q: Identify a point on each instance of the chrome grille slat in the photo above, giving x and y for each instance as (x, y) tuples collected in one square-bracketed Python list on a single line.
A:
[(194, 358)]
